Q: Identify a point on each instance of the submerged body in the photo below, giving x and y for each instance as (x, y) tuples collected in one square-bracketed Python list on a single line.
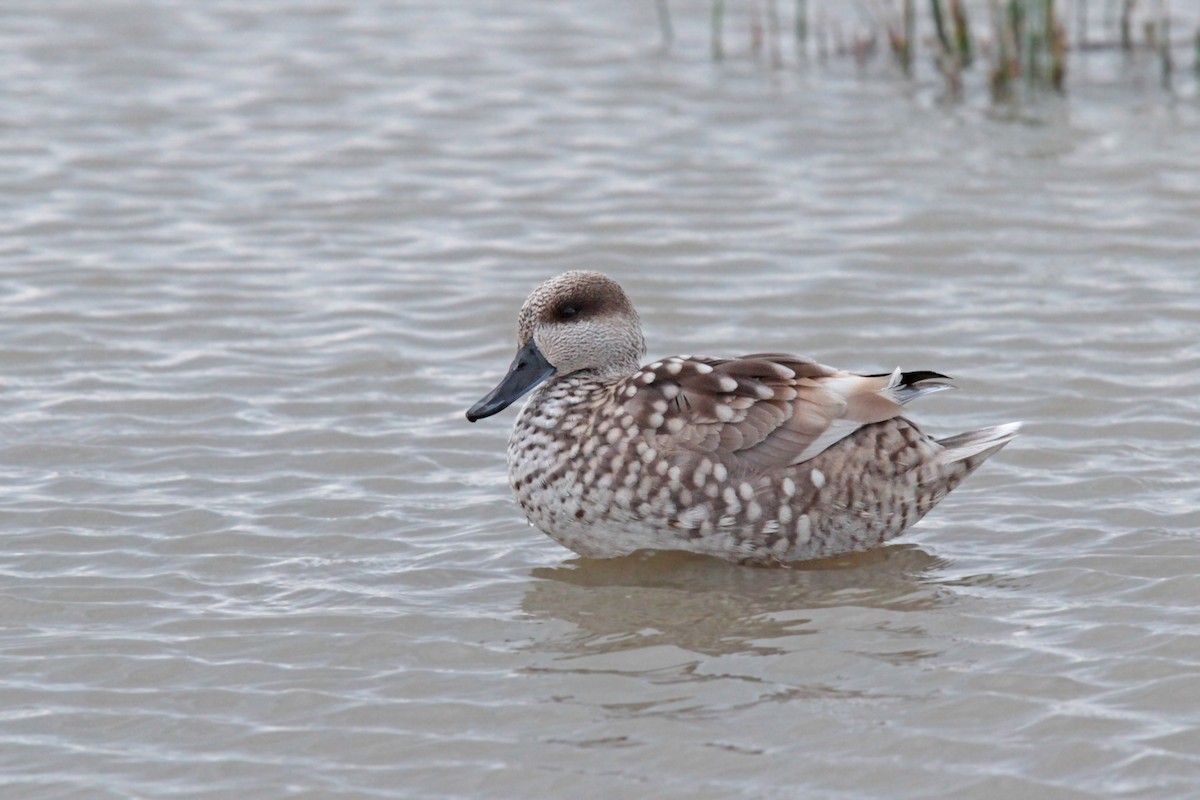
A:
[(761, 458)]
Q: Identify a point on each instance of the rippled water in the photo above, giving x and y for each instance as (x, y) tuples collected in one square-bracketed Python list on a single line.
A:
[(257, 260)]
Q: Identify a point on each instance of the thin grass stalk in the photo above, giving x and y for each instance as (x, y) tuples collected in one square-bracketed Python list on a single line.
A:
[(821, 36), (1164, 41), (1057, 34), (664, 23), (1050, 47), (718, 22), (1044, 43), (756, 27), (1045, 49), (939, 24), (1007, 66), (1034, 43), (801, 26), (910, 34), (997, 76), (1016, 23), (773, 28), (901, 41), (949, 57), (1127, 25), (962, 33)]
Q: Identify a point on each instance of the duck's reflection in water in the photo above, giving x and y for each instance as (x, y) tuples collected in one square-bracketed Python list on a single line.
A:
[(708, 606)]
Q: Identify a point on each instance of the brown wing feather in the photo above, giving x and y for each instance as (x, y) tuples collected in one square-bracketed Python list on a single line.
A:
[(761, 411)]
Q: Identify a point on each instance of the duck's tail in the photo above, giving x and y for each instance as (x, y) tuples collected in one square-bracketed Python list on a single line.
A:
[(975, 446)]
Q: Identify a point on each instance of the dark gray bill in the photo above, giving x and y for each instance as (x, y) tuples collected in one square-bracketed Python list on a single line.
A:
[(528, 369)]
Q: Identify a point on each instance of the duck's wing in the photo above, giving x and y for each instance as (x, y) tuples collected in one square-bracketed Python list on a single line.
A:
[(766, 410)]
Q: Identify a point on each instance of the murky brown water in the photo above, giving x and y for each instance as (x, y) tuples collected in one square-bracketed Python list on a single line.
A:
[(257, 260)]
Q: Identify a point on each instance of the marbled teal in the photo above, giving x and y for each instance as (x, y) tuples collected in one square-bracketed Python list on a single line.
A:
[(760, 458)]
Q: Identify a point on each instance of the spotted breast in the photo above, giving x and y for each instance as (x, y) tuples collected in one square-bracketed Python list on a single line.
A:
[(762, 458)]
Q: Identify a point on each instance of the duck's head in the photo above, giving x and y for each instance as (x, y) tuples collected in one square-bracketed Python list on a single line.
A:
[(575, 322)]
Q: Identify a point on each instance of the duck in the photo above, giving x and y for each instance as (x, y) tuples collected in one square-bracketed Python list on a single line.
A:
[(767, 458)]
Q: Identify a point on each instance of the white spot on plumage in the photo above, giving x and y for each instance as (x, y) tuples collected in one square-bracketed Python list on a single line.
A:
[(727, 384), (720, 473), (789, 487), (803, 529), (702, 368), (818, 478)]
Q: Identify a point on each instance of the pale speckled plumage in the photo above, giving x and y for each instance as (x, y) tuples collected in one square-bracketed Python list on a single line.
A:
[(762, 458)]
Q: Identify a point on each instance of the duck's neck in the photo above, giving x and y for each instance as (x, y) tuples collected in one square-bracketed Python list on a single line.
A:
[(570, 397)]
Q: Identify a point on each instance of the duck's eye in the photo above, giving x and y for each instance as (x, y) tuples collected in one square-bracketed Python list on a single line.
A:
[(567, 312)]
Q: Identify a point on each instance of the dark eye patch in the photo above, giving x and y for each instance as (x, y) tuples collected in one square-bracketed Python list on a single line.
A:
[(568, 312)]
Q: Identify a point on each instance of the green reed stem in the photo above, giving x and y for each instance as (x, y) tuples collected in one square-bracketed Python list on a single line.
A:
[(962, 33), (939, 24), (802, 23), (718, 20), (1164, 42), (664, 23), (1127, 25)]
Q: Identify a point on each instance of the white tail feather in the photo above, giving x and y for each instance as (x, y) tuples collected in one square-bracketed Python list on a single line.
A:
[(973, 443)]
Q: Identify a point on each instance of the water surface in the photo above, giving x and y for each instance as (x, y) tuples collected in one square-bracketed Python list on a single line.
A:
[(257, 260)]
